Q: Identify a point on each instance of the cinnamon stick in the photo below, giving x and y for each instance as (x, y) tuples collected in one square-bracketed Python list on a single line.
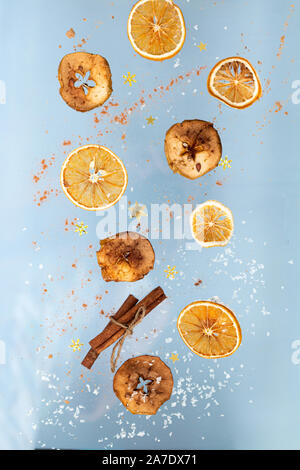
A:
[(92, 355), (113, 332), (90, 359)]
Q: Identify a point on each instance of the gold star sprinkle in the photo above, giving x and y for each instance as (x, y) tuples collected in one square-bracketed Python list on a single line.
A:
[(225, 163), (174, 357), (202, 46), (76, 345), (138, 211), (130, 79), (171, 272), (81, 228), (150, 120)]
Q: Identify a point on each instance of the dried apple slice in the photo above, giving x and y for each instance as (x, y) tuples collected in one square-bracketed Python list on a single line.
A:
[(143, 384), (193, 148), (85, 80), (127, 256)]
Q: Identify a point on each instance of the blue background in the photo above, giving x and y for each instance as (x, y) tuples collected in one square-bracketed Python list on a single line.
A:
[(249, 400)]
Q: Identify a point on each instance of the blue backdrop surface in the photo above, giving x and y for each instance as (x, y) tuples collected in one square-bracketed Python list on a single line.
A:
[(52, 291)]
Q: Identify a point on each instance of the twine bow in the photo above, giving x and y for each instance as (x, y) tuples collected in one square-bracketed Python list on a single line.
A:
[(138, 317)]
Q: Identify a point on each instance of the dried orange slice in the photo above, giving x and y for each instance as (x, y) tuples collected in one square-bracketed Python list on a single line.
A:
[(235, 82), (156, 29), (93, 177), (212, 224), (209, 329)]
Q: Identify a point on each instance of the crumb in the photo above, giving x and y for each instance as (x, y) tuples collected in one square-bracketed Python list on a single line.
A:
[(71, 33)]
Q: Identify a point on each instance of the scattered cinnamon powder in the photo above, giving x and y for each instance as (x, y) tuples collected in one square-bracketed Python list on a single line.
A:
[(80, 44), (278, 106), (71, 33), (45, 163), (41, 196), (282, 40), (122, 117), (266, 88), (70, 224)]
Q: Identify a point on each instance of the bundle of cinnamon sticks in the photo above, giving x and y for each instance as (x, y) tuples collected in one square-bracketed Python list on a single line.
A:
[(126, 313)]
